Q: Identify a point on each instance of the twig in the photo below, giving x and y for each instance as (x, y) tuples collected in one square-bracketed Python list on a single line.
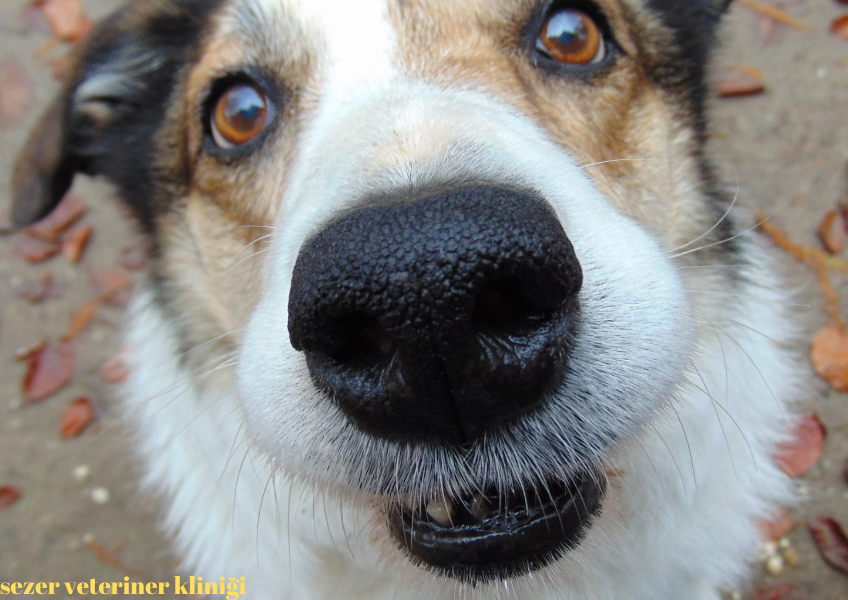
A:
[(775, 13)]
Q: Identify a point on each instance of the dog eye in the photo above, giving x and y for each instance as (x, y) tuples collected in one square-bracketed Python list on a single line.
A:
[(571, 37), (240, 114)]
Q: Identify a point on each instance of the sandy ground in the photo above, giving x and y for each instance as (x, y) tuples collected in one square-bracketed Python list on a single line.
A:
[(786, 150)]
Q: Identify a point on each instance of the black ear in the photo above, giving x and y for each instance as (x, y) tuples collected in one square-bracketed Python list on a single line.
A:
[(115, 101)]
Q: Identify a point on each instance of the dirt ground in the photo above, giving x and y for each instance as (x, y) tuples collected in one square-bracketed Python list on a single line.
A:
[(785, 149)]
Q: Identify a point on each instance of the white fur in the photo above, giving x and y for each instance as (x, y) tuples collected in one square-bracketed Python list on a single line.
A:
[(262, 473)]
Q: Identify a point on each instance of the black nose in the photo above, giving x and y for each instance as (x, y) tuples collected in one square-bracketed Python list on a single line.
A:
[(436, 318)]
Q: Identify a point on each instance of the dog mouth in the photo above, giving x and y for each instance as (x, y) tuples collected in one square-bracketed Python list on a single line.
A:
[(487, 536)]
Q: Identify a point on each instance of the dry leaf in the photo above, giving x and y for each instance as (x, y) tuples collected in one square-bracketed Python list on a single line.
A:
[(783, 591), (75, 243), (26, 352), (67, 19), (77, 416), (115, 369), (81, 319), (69, 210), (134, 257), (776, 526), (113, 287), (9, 494), (33, 249), (831, 232), (107, 557), (15, 92), (831, 542), (839, 27), (736, 86), (798, 455), (49, 370), (779, 15), (829, 355)]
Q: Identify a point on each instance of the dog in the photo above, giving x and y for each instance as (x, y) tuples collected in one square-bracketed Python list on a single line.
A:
[(446, 301)]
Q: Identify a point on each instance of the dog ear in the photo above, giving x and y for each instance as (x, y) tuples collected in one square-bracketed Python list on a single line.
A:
[(114, 102)]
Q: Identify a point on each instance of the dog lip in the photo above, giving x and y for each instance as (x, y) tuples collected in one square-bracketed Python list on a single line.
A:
[(527, 532)]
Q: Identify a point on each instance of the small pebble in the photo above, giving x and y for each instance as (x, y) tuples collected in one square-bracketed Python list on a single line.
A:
[(821, 73), (774, 565), (88, 538), (14, 404), (81, 473), (784, 543), (100, 495), (791, 557)]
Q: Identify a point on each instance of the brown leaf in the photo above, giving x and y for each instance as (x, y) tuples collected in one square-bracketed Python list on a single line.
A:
[(775, 526), (77, 416), (105, 556), (783, 591), (49, 370), (9, 494), (798, 455), (15, 92), (115, 369), (113, 287), (735, 86), (67, 19), (81, 319), (69, 210), (26, 352), (831, 542), (33, 249), (831, 232), (75, 243), (134, 257), (839, 27), (829, 355), (779, 15)]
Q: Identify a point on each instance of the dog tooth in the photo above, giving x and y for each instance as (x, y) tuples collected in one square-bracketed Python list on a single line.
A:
[(441, 511)]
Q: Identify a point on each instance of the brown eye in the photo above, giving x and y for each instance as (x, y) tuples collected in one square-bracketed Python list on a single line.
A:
[(240, 114), (571, 37)]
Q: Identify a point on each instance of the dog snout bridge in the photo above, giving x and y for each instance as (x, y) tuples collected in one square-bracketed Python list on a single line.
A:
[(437, 317)]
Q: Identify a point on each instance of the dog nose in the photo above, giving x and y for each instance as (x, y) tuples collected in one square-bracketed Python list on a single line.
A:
[(437, 317)]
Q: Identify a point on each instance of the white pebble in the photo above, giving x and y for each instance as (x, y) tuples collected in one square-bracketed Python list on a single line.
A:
[(81, 472), (774, 565), (100, 495), (15, 403), (88, 538)]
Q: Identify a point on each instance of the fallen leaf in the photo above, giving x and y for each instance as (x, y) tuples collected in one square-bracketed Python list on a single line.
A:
[(75, 242), (77, 416), (779, 15), (775, 526), (67, 19), (783, 591), (15, 92), (839, 27), (105, 556), (25, 352), (36, 290), (830, 541), (33, 249), (134, 257), (113, 287), (81, 319), (69, 210), (115, 369), (49, 370), (829, 355), (9, 494), (735, 86), (798, 455), (831, 232)]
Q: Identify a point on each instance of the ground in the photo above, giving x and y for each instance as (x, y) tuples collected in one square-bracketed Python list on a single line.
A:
[(785, 151)]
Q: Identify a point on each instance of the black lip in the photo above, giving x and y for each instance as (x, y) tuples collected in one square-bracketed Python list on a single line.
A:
[(524, 532)]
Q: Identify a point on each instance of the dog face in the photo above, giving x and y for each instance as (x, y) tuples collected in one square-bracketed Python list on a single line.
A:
[(440, 246)]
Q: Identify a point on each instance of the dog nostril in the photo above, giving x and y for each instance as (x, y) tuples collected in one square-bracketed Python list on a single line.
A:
[(363, 340), (506, 307)]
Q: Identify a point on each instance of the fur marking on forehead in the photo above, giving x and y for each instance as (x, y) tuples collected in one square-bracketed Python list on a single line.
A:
[(355, 37)]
